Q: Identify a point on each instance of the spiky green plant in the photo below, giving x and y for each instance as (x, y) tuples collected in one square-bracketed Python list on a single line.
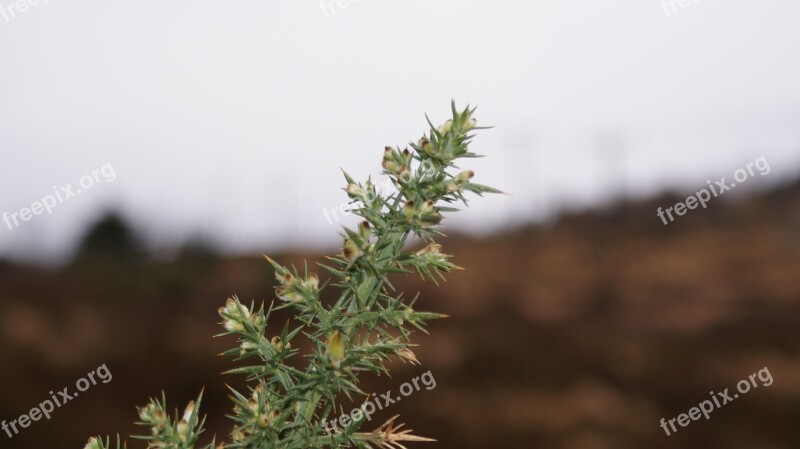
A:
[(368, 325)]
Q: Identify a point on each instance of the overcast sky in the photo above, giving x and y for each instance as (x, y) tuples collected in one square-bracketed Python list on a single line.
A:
[(231, 118)]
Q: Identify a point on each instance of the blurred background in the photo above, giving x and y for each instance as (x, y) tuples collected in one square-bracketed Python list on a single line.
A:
[(152, 151)]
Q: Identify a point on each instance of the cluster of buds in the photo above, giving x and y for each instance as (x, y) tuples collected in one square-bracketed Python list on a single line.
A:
[(275, 343), (261, 411), (237, 317), (154, 416), (397, 164), (430, 259), (292, 289), (463, 125), (424, 213), (444, 142), (257, 414)]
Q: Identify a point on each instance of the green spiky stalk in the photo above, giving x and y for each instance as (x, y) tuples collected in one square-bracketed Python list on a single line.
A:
[(368, 324)]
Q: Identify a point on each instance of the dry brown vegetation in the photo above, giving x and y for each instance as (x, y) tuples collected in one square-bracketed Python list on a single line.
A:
[(582, 334)]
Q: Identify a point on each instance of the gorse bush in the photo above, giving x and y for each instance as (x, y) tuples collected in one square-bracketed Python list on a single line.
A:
[(368, 325)]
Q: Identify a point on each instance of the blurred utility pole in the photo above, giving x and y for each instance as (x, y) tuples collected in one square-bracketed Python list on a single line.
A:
[(610, 161), (523, 173)]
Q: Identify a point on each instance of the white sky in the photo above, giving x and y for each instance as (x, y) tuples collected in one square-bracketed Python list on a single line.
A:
[(232, 118)]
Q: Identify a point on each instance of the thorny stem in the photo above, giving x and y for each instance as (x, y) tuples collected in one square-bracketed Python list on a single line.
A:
[(368, 325)]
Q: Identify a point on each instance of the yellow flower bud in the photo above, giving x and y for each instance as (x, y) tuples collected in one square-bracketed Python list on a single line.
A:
[(426, 146), (351, 252), (390, 160), (407, 157), (465, 175), (247, 346), (159, 419), (256, 319), (405, 175), (237, 434), (335, 349), (234, 314), (289, 295), (429, 215), (93, 443), (263, 421), (312, 282), (187, 414), (354, 189), (235, 310), (182, 429), (469, 124), (409, 209), (390, 166), (233, 326), (284, 278), (147, 413), (365, 230)]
